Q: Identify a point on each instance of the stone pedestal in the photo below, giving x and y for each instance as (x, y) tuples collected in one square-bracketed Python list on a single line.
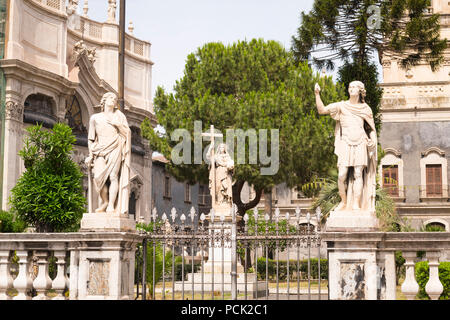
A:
[(352, 220), (102, 266), (221, 254), (359, 267), (107, 222)]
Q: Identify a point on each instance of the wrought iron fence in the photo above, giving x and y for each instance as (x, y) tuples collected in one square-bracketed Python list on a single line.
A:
[(229, 257)]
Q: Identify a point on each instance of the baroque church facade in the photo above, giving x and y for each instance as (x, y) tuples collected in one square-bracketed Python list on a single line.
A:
[(56, 66)]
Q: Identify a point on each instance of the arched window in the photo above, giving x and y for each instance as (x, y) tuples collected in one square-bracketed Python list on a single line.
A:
[(74, 116), (391, 169), (435, 227), (433, 175), (39, 108)]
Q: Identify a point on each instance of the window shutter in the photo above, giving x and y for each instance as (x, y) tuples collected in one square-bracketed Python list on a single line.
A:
[(434, 180)]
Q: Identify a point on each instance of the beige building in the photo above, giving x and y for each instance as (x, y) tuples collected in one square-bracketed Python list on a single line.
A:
[(415, 135), (56, 66)]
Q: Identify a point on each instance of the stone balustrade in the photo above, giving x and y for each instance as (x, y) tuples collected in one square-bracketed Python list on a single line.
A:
[(376, 251), (56, 5), (25, 261), (97, 32)]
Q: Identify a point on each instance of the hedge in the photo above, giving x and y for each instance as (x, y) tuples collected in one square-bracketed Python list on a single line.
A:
[(282, 268), (422, 276)]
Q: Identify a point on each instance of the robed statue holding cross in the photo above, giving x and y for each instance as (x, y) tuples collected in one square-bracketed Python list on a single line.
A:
[(220, 173)]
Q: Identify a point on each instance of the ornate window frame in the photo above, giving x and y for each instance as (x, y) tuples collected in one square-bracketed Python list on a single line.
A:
[(437, 220), (394, 158), (432, 156)]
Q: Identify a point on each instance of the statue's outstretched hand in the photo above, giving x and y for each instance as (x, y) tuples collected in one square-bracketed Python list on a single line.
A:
[(317, 89)]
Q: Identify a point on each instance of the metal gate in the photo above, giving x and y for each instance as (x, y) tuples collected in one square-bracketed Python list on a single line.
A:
[(220, 257)]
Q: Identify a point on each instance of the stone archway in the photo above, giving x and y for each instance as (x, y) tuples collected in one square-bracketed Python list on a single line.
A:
[(41, 109)]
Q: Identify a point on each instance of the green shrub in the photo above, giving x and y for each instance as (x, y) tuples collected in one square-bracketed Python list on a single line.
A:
[(149, 267), (282, 268), (187, 268), (49, 194), (422, 276), (10, 223), (399, 266)]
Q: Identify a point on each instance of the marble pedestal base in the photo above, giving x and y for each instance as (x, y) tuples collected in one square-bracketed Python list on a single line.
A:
[(359, 267), (107, 222), (220, 250), (102, 266), (352, 220)]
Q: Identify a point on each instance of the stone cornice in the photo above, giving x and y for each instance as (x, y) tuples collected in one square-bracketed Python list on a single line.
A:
[(423, 209), (387, 241), (410, 84), (14, 68)]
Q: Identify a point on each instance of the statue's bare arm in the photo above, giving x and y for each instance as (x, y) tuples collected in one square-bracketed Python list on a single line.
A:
[(321, 108)]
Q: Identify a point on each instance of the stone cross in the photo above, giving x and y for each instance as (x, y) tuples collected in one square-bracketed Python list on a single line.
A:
[(211, 134)]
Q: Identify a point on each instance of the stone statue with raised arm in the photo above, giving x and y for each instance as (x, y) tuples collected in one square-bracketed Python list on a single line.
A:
[(356, 149), (109, 142)]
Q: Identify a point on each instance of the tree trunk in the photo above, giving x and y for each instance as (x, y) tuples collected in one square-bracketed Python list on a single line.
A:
[(242, 209), (268, 209)]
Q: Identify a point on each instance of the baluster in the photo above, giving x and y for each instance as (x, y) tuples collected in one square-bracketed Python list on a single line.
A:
[(6, 280), (434, 286), (42, 282), (60, 282), (23, 282), (131, 28), (85, 8), (410, 288)]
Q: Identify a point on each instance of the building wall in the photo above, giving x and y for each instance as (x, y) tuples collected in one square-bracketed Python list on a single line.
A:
[(414, 132), (177, 195)]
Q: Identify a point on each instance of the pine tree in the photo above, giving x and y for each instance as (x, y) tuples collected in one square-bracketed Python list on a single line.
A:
[(250, 85), (356, 29)]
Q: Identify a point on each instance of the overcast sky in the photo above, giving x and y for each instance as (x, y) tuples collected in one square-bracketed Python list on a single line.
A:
[(178, 27)]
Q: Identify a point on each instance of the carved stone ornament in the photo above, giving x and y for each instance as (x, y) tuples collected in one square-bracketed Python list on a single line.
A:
[(14, 111), (136, 186), (81, 49)]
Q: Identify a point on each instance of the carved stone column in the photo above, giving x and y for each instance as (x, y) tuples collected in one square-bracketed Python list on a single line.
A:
[(13, 144)]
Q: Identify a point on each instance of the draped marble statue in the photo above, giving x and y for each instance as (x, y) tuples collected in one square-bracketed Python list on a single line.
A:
[(109, 142), (220, 175), (355, 147)]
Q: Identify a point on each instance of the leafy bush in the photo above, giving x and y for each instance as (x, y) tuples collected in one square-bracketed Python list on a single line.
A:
[(399, 266), (282, 268), (422, 276), (149, 267), (11, 224), (49, 195)]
